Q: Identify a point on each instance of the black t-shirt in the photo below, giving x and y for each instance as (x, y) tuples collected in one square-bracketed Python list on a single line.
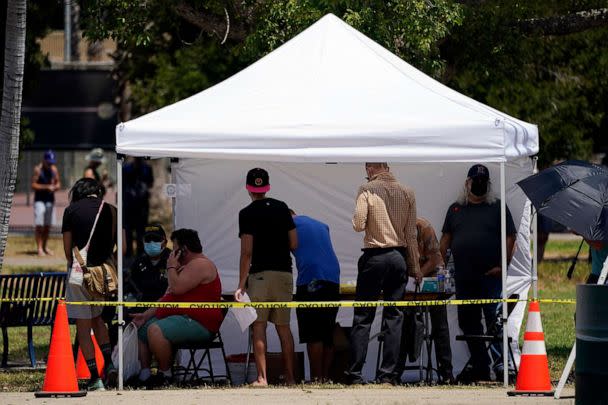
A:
[(268, 221), (46, 176), (79, 217), (475, 231), (146, 280)]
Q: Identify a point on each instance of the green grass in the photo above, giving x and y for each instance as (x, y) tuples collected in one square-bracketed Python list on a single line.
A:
[(21, 381), (558, 319), (562, 249), (18, 379), (25, 246)]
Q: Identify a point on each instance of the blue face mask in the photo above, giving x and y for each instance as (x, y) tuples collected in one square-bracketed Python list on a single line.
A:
[(153, 249)]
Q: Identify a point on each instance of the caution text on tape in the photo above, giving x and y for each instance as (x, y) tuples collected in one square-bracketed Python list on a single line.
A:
[(293, 304)]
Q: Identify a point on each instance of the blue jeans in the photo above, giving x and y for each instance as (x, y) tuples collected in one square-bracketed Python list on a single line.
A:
[(469, 320)]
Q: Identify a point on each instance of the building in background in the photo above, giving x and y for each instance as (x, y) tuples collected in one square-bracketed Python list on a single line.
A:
[(71, 109)]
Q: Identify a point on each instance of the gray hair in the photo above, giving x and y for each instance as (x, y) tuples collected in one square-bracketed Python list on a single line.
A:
[(463, 196)]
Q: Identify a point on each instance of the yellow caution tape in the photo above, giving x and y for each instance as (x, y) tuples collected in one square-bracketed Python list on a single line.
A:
[(292, 304)]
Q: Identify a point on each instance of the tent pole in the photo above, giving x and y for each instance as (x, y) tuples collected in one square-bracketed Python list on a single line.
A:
[(174, 162), (535, 242), (535, 254), (119, 227), (503, 237)]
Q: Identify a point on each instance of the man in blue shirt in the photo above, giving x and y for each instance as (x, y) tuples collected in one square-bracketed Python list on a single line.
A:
[(318, 280)]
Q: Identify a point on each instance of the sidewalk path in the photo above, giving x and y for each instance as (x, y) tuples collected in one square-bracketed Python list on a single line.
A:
[(304, 395), (22, 215), (35, 261)]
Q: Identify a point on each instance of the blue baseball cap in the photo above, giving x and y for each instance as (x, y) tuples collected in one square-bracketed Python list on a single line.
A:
[(49, 156)]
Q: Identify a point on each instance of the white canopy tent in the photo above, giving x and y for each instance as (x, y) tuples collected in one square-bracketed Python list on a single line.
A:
[(310, 110)]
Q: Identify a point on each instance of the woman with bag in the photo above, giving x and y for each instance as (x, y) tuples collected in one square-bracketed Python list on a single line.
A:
[(89, 238)]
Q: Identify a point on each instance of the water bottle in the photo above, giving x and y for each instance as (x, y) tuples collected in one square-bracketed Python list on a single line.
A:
[(448, 282), (440, 279)]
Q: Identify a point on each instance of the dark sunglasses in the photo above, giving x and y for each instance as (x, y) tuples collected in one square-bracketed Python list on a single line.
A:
[(153, 238)]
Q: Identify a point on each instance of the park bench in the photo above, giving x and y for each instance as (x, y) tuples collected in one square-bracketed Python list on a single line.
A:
[(29, 313)]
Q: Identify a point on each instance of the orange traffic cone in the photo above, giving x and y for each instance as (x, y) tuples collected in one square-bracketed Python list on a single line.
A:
[(82, 370), (533, 377), (60, 377)]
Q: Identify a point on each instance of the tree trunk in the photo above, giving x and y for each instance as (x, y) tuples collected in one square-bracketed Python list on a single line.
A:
[(14, 59), (566, 24), (75, 37)]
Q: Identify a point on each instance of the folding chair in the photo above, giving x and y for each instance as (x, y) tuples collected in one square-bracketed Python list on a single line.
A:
[(191, 373), (421, 321), (488, 339)]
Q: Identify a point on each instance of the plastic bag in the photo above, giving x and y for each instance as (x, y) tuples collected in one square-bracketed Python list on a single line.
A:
[(76, 272), (131, 365)]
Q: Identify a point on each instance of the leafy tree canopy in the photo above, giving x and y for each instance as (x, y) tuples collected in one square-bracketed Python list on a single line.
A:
[(502, 57), (175, 49)]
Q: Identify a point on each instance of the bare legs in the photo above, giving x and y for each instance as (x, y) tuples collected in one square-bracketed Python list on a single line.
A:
[(83, 333), (42, 237), (160, 347), (286, 338), (321, 357), (259, 352)]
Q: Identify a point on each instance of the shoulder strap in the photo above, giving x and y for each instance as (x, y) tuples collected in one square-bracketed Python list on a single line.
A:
[(86, 247)]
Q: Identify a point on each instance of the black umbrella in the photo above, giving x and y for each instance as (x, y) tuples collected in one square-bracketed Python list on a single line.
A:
[(573, 193)]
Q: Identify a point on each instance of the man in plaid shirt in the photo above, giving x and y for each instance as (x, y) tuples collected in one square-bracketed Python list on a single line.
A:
[(386, 211)]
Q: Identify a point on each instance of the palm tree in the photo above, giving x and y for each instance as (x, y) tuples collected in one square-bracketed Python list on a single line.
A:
[(14, 59)]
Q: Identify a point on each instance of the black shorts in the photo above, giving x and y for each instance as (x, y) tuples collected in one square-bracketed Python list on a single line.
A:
[(317, 324)]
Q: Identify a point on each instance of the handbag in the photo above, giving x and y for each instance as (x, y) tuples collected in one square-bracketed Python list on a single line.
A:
[(414, 331), (100, 281), (131, 365)]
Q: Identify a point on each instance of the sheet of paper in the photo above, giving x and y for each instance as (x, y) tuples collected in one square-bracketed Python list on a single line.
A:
[(244, 316)]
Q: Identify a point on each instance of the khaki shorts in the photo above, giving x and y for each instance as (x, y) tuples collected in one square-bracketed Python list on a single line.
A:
[(271, 286), (79, 293)]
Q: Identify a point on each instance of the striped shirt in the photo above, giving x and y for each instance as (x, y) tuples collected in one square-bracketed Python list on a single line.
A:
[(386, 211)]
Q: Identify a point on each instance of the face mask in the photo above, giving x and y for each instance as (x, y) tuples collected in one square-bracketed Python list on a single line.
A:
[(479, 187), (153, 249)]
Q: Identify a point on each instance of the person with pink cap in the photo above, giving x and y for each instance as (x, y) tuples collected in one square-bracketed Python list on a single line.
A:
[(268, 235)]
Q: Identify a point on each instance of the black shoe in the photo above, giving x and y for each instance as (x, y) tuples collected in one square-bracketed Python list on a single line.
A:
[(354, 380), (110, 376), (387, 381), (158, 380), (499, 372), (135, 382), (470, 375), (446, 379)]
